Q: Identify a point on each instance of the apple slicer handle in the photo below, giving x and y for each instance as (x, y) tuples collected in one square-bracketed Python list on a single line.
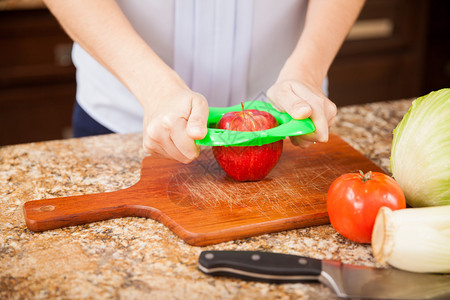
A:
[(55, 213)]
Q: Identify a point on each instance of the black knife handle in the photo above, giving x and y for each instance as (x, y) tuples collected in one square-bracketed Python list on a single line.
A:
[(260, 266)]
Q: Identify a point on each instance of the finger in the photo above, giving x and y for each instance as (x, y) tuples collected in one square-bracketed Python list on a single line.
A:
[(310, 137), (172, 149), (305, 144), (198, 118), (331, 122), (153, 149), (320, 121), (295, 106), (158, 141), (330, 111), (301, 109), (303, 141), (185, 144)]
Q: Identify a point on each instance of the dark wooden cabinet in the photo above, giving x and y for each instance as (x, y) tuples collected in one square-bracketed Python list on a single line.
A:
[(37, 78), (437, 55), (383, 56)]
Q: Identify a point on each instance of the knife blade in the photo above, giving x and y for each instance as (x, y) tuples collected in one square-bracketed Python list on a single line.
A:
[(347, 281)]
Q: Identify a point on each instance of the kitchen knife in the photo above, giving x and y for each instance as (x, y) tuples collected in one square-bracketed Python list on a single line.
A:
[(347, 281)]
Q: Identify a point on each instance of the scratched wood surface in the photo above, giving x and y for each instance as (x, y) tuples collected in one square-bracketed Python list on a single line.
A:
[(203, 206)]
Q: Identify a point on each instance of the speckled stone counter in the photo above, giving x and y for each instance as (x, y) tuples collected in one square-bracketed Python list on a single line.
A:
[(136, 258)]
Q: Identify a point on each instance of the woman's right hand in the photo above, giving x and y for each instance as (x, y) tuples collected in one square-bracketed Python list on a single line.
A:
[(174, 115), (173, 119)]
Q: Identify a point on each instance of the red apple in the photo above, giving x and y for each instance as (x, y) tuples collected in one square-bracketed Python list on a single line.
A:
[(248, 163)]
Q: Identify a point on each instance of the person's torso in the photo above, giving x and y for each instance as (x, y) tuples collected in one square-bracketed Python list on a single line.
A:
[(228, 50)]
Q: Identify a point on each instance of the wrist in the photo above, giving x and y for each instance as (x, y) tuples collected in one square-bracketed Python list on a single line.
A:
[(296, 70), (153, 80)]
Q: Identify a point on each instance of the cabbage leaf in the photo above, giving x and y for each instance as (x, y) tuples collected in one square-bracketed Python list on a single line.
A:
[(420, 154)]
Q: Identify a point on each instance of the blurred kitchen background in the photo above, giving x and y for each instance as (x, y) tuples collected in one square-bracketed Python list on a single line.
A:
[(397, 49)]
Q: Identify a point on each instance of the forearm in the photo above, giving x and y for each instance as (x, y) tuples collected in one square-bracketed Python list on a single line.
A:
[(327, 24), (104, 32)]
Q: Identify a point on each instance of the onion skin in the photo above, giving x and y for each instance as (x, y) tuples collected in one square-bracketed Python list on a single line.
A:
[(413, 239)]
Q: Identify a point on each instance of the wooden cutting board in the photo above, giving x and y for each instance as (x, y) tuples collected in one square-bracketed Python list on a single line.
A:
[(203, 206)]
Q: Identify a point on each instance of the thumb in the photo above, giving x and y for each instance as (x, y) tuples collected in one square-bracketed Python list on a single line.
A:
[(296, 107), (198, 118), (286, 96)]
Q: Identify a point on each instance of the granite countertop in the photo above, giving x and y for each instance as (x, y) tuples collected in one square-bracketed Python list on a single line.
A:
[(137, 258)]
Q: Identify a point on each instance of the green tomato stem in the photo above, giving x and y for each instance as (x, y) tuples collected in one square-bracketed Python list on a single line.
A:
[(365, 177)]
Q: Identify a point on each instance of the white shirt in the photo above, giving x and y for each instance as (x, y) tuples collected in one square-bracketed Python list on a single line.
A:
[(228, 50)]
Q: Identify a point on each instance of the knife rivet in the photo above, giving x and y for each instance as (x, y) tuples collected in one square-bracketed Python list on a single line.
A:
[(209, 256), (256, 257), (47, 208), (302, 261)]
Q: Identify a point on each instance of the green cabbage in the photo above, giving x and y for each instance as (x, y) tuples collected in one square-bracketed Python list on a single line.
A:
[(420, 156)]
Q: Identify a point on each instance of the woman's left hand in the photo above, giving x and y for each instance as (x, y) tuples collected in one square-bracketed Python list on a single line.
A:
[(300, 101)]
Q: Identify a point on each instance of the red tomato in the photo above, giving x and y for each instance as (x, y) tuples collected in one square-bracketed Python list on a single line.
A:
[(353, 201)]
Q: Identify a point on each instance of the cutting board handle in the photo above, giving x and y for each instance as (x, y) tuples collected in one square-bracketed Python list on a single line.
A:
[(55, 213)]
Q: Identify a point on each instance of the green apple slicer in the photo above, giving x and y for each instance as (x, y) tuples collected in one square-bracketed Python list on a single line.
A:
[(221, 137)]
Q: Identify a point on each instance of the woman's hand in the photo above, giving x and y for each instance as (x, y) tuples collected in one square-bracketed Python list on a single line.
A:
[(174, 116), (298, 87), (173, 122), (300, 101)]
